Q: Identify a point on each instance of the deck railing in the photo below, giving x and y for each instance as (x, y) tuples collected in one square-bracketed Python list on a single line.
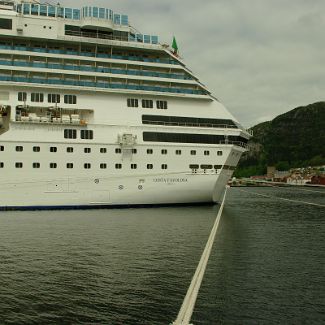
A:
[(89, 54)]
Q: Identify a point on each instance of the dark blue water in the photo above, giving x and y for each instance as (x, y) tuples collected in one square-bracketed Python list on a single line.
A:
[(134, 266)]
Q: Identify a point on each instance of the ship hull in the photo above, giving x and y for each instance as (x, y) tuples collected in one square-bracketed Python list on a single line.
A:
[(158, 190)]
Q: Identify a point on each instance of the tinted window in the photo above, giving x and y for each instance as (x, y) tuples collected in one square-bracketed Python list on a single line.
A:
[(192, 138), (5, 23)]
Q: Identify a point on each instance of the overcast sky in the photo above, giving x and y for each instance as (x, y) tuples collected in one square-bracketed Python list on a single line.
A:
[(260, 58)]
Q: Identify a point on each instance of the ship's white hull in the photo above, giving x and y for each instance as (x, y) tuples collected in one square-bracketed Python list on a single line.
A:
[(91, 192)]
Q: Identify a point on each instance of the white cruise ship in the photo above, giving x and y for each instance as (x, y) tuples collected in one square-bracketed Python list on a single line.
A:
[(95, 114)]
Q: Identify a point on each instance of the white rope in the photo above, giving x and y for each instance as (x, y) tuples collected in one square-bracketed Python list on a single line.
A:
[(282, 198), (186, 311)]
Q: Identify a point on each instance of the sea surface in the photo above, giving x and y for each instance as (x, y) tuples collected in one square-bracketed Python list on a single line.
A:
[(134, 266)]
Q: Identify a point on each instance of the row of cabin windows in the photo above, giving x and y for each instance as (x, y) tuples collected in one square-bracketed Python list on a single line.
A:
[(37, 165), (117, 150), (147, 103), (84, 134), (51, 98), (216, 167)]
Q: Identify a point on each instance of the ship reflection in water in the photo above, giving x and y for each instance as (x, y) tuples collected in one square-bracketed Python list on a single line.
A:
[(134, 266)]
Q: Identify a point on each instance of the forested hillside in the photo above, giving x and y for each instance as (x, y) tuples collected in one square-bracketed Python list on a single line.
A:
[(293, 139)]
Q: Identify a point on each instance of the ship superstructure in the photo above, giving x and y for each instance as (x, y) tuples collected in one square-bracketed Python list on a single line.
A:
[(94, 113)]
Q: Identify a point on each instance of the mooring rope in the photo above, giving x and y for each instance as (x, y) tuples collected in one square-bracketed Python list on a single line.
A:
[(186, 311), (282, 198)]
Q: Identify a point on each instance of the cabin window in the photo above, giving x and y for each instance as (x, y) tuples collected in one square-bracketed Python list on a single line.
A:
[(134, 166), (36, 149), (70, 134), (149, 166), (5, 23), (118, 166), (132, 102), (22, 96), (161, 104), (149, 151), (53, 149), (37, 97), (219, 153), (103, 166), (36, 165), (19, 148), (53, 98), (87, 150), (70, 165), (118, 150), (193, 152), (206, 153), (178, 152), (19, 165), (87, 166), (34, 10), (2, 164), (164, 151), (217, 166), (134, 151), (103, 150), (146, 103), (2, 148), (70, 99), (69, 149), (206, 166), (87, 134), (43, 10), (164, 166), (194, 166), (53, 165), (51, 11)]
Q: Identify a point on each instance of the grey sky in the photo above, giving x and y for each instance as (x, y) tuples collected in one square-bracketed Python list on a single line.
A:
[(261, 58)]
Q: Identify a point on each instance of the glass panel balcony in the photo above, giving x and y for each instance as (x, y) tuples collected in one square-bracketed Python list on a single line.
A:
[(38, 80), (88, 54), (94, 69)]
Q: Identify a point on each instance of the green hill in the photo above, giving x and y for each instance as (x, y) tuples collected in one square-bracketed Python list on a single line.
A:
[(293, 139)]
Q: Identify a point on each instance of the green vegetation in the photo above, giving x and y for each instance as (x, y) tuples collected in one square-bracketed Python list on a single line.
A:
[(294, 139)]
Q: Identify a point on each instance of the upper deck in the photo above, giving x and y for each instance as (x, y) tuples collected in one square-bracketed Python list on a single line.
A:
[(24, 18), (88, 47)]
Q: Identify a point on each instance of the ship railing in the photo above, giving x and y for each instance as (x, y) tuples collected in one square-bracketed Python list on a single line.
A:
[(94, 69), (96, 35), (200, 125), (55, 120), (87, 54), (99, 84), (236, 143)]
